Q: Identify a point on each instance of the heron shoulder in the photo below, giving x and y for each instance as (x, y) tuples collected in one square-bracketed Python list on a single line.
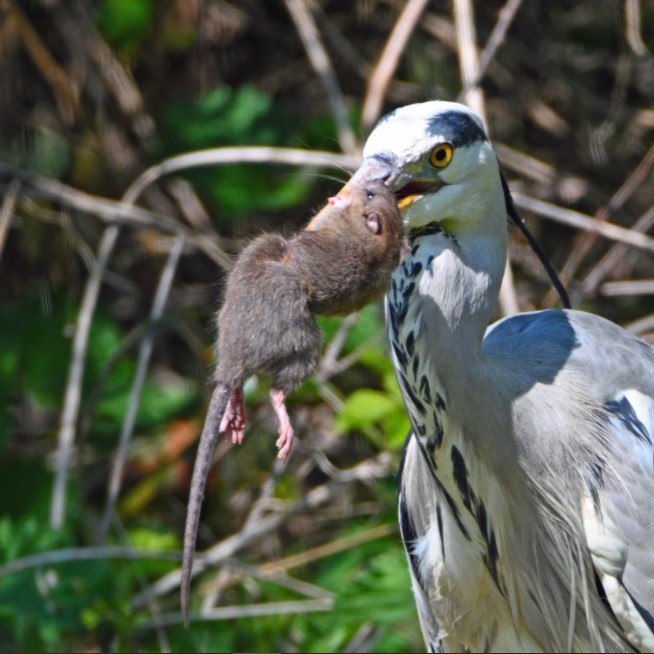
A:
[(543, 343)]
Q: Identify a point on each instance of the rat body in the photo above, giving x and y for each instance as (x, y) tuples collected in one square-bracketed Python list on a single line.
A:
[(266, 325)]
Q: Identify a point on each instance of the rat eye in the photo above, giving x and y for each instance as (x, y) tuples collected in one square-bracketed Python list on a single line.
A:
[(370, 195), (441, 155)]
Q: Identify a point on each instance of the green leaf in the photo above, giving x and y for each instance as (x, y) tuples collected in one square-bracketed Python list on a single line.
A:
[(49, 153), (364, 407), (125, 22)]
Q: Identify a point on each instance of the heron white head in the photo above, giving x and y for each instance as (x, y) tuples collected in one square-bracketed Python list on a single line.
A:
[(438, 160)]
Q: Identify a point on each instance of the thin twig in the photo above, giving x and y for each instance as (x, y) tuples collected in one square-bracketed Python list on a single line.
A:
[(388, 61), (64, 88), (282, 579), (316, 497), (364, 639), (469, 66), (495, 40), (632, 27), (611, 259), (62, 220), (110, 211), (153, 606), (248, 154), (525, 164), (618, 199), (118, 213), (464, 25), (145, 353), (73, 393), (74, 554), (333, 350), (7, 211), (628, 287), (584, 222), (319, 59), (344, 49), (321, 551), (244, 611), (642, 325), (124, 346)]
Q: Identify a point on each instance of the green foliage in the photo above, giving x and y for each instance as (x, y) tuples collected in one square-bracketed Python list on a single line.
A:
[(125, 22), (48, 152), (375, 407), (48, 607), (242, 116)]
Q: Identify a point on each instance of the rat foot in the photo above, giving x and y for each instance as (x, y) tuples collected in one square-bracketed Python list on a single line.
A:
[(233, 422), (285, 439)]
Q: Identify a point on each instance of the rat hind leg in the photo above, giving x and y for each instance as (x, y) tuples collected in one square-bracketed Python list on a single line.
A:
[(285, 440), (233, 422)]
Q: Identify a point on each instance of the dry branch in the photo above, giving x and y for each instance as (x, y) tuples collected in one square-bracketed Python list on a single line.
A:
[(145, 353), (474, 97), (578, 220), (388, 61), (617, 201), (244, 611), (374, 468), (73, 554), (495, 40), (628, 287), (7, 211), (308, 31)]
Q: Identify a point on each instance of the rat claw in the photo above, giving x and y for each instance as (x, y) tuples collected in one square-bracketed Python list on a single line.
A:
[(233, 422), (284, 443), (285, 440)]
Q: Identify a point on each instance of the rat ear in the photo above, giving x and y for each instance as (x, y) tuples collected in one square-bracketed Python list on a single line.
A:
[(373, 222)]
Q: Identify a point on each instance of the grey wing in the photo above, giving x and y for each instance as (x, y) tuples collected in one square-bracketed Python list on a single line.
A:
[(618, 517), (416, 513)]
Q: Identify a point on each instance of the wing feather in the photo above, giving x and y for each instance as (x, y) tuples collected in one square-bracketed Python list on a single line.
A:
[(618, 517)]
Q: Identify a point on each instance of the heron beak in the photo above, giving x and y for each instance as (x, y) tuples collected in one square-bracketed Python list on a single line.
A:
[(415, 190)]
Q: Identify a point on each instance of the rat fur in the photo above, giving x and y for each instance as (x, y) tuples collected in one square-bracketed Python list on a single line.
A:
[(266, 325)]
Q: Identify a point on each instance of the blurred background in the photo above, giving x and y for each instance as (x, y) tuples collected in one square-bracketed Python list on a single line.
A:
[(109, 282)]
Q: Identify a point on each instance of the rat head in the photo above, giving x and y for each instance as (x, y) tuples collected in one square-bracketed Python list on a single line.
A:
[(364, 195), (365, 212)]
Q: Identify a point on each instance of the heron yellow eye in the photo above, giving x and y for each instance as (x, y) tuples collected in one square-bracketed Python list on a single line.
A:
[(441, 155)]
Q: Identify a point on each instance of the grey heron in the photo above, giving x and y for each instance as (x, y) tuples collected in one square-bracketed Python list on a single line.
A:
[(526, 489)]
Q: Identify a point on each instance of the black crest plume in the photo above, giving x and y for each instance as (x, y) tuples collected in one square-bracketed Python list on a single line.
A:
[(551, 273)]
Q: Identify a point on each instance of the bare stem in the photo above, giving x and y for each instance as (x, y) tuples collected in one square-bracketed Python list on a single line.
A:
[(584, 222), (319, 59), (7, 211), (145, 353), (388, 61)]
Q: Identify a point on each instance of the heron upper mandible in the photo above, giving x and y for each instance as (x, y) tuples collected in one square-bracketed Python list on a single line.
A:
[(526, 490)]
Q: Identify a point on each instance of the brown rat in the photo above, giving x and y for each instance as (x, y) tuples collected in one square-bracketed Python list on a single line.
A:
[(266, 324)]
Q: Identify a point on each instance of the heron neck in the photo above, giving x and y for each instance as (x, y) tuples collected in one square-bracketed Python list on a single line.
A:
[(457, 295)]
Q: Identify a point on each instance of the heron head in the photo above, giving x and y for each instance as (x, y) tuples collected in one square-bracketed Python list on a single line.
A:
[(439, 162)]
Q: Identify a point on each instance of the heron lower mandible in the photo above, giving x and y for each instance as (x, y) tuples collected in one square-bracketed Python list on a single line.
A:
[(526, 492)]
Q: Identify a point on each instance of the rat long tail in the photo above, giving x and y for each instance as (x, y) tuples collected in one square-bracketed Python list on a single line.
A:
[(208, 440)]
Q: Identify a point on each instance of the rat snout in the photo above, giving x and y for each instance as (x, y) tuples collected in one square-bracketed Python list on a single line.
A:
[(340, 201)]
